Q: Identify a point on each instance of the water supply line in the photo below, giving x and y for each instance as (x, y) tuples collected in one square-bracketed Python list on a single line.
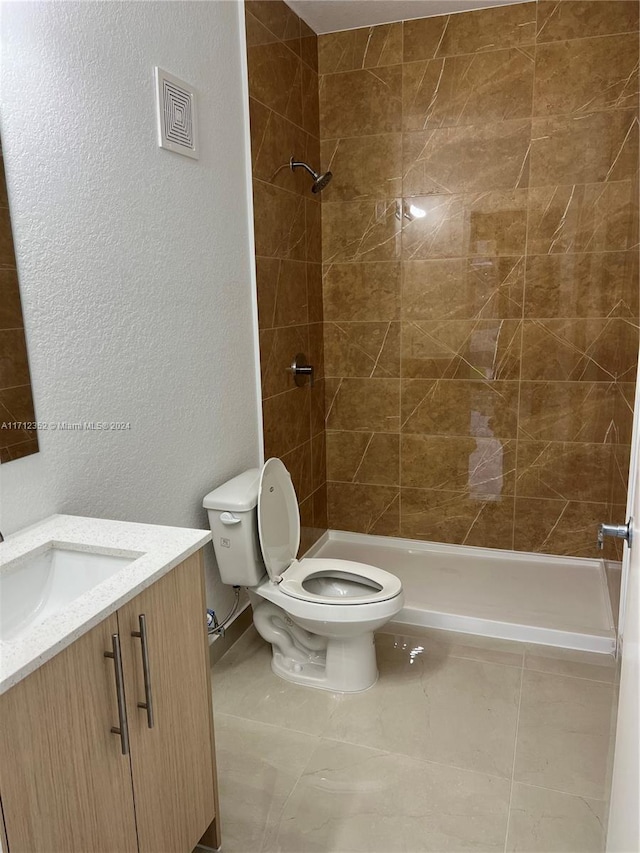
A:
[(219, 627)]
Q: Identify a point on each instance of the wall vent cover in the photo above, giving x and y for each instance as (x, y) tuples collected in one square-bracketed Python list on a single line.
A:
[(176, 103)]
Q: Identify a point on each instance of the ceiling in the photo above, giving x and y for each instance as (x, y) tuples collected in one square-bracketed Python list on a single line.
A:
[(327, 16)]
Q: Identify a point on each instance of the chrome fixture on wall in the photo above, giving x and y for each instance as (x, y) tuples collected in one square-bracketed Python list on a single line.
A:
[(319, 181), (618, 531), (300, 370)]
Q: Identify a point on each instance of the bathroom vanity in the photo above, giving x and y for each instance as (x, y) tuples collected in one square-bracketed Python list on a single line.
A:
[(107, 739)]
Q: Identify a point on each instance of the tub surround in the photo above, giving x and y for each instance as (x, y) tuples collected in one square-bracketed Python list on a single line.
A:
[(475, 326), (480, 274), (157, 550), (282, 61)]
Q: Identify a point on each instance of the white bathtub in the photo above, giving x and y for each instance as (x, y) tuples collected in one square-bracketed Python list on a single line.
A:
[(535, 598)]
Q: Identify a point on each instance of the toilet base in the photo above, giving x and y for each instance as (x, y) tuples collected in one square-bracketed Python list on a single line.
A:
[(350, 666), (342, 665)]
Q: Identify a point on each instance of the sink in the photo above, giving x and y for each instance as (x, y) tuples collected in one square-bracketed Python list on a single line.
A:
[(43, 582)]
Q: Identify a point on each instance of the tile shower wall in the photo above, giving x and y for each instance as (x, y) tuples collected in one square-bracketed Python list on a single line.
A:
[(282, 55), (480, 273)]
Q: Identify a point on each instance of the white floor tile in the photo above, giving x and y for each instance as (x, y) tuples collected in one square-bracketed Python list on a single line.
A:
[(353, 799), (543, 821), (563, 734), (258, 767)]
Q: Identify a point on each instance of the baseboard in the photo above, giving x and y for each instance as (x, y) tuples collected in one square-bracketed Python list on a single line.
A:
[(233, 633)]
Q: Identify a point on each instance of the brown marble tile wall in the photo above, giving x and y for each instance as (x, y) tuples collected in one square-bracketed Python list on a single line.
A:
[(282, 56), (480, 273), (16, 401)]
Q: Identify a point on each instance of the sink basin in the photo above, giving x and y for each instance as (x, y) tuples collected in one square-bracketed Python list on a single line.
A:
[(43, 582)]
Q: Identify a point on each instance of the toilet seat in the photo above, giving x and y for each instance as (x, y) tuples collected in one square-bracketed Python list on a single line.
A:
[(375, 584), (316, 580)]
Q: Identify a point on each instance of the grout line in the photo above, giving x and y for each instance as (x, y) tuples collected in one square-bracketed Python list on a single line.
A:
[(515, 753), (540, 43), (432, 633), (478, 195), (401, 359), (440, 321), (310, 425), (282, 116), (279, 40), (532, 44), (461, 656), (530, 117), (324, 737), (372, 200), (265, 722), (548, 442), (440, 258), (521, 355), (413, 757), (577, 677), (295, 194), (565, 793), (463, 494), (319, 737)]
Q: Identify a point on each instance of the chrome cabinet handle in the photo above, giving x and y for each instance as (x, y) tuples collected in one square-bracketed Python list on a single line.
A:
[(144, 645), (123, 728)]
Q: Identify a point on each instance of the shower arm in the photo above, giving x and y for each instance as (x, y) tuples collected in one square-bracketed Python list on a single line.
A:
[(295, 163)]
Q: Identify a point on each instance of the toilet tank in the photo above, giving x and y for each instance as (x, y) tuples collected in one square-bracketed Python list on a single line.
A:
[(233, 520)]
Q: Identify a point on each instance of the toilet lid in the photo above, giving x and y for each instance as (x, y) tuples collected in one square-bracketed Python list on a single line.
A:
[(278, 518)]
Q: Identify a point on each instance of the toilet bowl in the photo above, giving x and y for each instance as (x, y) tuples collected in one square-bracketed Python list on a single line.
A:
[(318, 615)]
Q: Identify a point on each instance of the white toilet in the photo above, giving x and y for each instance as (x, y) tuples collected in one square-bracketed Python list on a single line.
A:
[(319, 615)]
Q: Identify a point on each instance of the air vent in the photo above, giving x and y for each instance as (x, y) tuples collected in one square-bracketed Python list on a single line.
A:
[(176, 102)]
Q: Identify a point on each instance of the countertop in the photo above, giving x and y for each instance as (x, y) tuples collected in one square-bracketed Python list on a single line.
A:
[(157, 549)]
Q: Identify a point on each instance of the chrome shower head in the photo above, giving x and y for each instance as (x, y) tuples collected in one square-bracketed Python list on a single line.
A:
[(319, 181)]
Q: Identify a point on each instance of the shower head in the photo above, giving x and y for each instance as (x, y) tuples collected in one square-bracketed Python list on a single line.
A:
[(319, 181)]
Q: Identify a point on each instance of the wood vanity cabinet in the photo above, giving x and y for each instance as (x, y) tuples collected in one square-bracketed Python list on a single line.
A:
[(66, 785)]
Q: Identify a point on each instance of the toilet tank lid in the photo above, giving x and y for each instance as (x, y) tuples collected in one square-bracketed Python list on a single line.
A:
[(239, 494)]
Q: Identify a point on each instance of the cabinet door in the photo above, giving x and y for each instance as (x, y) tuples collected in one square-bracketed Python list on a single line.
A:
[(65, 784), (172, 763)]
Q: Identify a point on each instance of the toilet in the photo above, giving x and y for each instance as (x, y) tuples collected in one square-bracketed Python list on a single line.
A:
[(318, 615)]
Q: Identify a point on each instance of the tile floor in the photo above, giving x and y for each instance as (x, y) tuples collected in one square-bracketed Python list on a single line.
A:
[(463, 744)]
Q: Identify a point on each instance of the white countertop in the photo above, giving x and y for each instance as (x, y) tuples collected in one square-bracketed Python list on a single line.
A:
[(160, 549)]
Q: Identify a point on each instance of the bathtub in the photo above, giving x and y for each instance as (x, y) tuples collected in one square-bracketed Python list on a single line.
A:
[(533, 598)]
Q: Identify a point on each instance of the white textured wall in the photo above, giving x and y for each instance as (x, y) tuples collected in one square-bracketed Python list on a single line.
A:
[(134, 262)]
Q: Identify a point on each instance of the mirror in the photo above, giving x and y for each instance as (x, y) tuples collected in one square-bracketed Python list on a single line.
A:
[(18, 436)]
